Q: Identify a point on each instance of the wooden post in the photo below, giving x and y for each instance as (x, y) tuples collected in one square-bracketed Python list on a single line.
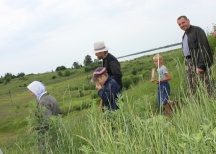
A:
[(10, 97), (100, 105), (153, 75)]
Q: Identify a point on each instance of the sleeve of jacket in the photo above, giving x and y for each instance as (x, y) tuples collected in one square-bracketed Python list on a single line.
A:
[(47, 110), (116, 70), (108, 96), (104, 95), (204, 52)]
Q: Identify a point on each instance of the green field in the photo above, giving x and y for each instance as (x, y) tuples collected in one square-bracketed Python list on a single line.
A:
[(140, 126)]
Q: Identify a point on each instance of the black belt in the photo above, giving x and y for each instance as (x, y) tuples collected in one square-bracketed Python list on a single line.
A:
[(188, 57)]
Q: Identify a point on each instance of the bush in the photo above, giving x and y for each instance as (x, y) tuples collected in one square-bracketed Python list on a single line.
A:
[(134, 71), (59, 73), (92, 66), (67, 73), (126, 82), (135, 79), (53, 77)]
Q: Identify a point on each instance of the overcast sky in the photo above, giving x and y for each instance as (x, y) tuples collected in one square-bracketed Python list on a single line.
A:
[(37, 36)]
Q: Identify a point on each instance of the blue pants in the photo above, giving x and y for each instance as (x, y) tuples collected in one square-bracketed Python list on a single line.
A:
[(163, 93)]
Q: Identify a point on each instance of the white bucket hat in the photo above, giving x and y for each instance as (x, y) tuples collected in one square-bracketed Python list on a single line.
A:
[(100, 47)]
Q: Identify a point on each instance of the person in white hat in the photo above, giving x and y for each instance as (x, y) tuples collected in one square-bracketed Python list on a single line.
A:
[(109, 62)]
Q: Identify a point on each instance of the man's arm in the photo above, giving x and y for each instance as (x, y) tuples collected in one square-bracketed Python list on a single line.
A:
[(203, 52), (116, 70)]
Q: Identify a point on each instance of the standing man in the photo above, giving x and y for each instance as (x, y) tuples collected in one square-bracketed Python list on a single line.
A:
[(109, 62), (198, 55)]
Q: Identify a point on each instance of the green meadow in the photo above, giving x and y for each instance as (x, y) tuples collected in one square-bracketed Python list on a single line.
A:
[(140, 126)]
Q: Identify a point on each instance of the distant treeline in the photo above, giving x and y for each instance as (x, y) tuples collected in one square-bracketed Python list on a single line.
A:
[(62, 71)]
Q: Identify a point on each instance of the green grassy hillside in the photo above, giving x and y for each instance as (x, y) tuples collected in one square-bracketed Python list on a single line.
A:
[(139, 127)]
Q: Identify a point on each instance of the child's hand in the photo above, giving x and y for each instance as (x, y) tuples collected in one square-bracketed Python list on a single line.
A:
[(152, 80), (156, 81), (98, 86)]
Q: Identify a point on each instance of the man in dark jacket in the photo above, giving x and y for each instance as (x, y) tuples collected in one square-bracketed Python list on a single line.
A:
[(198, 55), (109, 61)]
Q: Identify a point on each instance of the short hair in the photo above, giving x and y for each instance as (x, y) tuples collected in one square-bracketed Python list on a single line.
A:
[(183, 16), (158, 56)]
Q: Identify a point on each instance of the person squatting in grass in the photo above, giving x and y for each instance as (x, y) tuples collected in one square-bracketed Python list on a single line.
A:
[(109, 92), (162, 81), (46, 108), (198, 56)]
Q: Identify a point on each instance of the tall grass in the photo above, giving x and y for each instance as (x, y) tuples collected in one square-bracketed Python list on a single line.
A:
[(140, 126), (190, 130)]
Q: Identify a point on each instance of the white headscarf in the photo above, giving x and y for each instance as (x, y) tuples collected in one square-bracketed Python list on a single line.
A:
[(38, 88)]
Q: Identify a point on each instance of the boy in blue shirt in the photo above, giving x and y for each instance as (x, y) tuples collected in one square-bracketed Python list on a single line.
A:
[(162, 81), (109, 92)]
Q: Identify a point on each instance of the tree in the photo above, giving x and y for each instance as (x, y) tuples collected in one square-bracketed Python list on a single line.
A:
[(76, 65), (8, 77), (92, 66), (20, 75), (87, 60), (60, 68)]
